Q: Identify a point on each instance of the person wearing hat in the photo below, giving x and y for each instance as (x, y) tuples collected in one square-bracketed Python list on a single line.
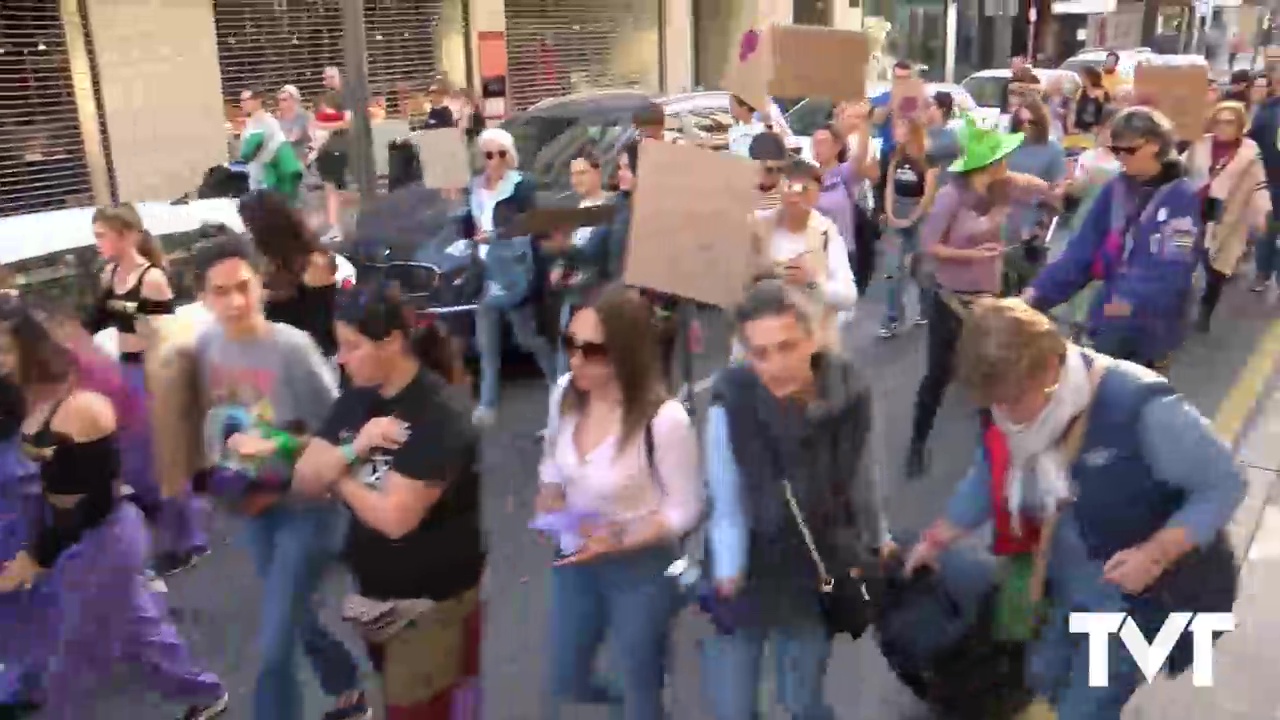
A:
[(770, 150), (804, 248), (1143, 239), (963, 235)]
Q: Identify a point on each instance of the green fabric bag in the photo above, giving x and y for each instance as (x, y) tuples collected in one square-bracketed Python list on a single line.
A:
[(1016, 618)]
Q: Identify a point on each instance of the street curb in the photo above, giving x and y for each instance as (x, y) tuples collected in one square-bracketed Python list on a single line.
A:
[(1238, 419)]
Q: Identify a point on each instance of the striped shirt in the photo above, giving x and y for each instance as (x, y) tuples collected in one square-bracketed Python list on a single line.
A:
[(769, 200)]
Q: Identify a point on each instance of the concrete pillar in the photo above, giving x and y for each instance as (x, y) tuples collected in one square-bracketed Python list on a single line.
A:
[(677, 46), (161, 93), (452, 42), (87, 110)]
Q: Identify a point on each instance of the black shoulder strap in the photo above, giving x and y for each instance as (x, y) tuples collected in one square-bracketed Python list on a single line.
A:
[(650, 448)]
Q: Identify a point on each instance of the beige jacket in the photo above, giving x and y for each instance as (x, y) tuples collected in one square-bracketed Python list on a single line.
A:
[(825, 318), (1242, 189)]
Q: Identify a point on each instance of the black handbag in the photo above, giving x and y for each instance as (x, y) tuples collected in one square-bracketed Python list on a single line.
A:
[(850, 602)]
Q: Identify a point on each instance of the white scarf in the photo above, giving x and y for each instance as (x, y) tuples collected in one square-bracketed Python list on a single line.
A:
[(1034, 447)]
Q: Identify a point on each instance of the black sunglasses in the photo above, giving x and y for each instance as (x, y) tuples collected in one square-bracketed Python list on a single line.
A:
[(489, 154), (1122, 150), (589, 350)]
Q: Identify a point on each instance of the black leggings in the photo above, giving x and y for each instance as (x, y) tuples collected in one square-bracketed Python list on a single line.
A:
[(944, 334), (1213, 284)]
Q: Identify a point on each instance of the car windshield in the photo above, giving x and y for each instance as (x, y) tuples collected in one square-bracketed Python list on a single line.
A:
[(1077, 64), (987, 91), (808, 116), (547, 144)]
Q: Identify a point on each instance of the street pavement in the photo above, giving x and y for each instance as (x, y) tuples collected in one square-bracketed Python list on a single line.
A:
[(216, 602)]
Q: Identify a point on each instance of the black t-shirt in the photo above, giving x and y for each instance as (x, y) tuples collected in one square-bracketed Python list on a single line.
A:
[(439, 116), (445, 554), (1089, 111), (908, 178)]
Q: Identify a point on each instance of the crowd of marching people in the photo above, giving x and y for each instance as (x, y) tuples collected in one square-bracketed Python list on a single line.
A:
[(1103, 488)]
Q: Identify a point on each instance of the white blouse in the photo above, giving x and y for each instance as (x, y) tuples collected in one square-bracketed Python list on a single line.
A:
[(617, 484)]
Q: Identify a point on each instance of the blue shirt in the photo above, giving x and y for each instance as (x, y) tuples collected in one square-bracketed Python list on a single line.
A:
[(886, 129)]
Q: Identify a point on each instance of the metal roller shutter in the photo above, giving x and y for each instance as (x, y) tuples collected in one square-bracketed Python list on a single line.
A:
[(271, 43), (43, 163), (556, 47)]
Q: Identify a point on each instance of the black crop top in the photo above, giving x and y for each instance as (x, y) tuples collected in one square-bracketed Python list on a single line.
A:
[(120, 310), (88, 469), (309, 309)]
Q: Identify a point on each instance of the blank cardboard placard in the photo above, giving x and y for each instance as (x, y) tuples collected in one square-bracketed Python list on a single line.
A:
[(1178, 91), (446, 164), (795, 61), (176, 405), (541, 221), (907, 97), (692, 224), (1271, 54)]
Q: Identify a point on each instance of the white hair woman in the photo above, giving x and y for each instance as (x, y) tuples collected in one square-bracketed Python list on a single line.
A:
[(496, 196)]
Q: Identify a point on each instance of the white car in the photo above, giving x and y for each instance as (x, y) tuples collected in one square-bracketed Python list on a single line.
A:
[(55, 249)]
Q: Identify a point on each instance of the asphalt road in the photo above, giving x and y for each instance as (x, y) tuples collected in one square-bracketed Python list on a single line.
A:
[(216, 601)]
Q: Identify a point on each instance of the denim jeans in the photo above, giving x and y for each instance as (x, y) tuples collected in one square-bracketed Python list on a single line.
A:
[(731, 670), (292, 546), (1058, 666), (1266, 258), (524, 325), (630, 600), (901, 278)]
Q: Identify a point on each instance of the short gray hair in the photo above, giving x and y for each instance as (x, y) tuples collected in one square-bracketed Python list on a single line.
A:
[(771, 298), (1144, 123)]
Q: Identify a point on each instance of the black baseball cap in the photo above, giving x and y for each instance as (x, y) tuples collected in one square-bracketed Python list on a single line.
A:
[(768, 147)]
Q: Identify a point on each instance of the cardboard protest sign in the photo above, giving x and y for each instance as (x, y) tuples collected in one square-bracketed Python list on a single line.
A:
[(446, 164), (1178, 91), (176, 406), (907, 98), (542, 221), (799, 61), (1271, 54), (687, 240)]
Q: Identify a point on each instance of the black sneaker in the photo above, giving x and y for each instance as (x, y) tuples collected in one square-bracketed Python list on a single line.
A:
[(917, 462), (205, 712), (358, 709), (171, 563), (18, 710)]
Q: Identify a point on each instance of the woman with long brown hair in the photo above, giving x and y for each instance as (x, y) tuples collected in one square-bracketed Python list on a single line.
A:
[(301, 281), (912, 183), (135, 285), (619, 476)]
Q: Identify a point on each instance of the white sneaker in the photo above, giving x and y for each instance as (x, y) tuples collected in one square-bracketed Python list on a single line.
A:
[(484, 417), (154, 582), (206, 712)]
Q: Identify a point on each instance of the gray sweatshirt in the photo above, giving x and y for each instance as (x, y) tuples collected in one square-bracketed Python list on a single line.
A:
[(281, 379)]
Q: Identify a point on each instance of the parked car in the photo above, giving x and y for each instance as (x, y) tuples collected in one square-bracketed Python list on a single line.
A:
[(1096, 57), (54, 257)]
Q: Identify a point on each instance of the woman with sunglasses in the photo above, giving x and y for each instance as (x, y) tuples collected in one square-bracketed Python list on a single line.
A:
[(963, 235), (301, 281), (514, 271), (620, 482), (1075, 534), (1233, 187), (399, 449), (1143, 239)]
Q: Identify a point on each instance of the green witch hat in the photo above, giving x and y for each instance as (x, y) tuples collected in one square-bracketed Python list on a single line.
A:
[(982, 146)]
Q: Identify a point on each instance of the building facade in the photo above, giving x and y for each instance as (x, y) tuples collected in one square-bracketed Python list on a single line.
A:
[(130, 100)]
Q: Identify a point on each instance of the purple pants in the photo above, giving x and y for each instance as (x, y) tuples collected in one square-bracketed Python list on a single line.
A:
[(104, 614), (20, 505), (181, 523)]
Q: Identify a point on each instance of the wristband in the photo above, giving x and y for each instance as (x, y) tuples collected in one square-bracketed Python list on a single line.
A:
[(349, 453), (287, 445)]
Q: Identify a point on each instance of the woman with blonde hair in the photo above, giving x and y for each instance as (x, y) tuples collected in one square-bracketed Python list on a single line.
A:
[(135, 286), (1227, 168), (912, 183), (1138, 532), (498, 195)]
